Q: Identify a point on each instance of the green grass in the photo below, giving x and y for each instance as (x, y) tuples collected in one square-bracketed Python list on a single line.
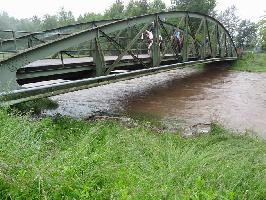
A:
[(62, 158), (251, 63), (34, 107)]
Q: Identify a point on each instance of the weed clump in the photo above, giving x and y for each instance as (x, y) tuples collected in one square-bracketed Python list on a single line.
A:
[(251, 62)]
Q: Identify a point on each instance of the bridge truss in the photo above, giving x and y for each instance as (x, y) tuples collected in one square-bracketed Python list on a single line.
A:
[(115, 48)]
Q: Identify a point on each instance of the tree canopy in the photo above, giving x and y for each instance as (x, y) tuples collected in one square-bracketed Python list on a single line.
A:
[(117, 10), (244, 32), (246, 35), (262, 32), (202, 6), (230, 20)]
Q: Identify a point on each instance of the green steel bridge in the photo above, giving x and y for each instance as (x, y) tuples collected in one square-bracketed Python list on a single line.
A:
[(90, 54)]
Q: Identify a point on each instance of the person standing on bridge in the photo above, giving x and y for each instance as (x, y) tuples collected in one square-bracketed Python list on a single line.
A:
[(178, 42), (160, 38), (161, 43), (148, 36)]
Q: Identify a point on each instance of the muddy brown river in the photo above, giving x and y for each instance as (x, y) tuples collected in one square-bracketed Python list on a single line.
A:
[(186, 97)]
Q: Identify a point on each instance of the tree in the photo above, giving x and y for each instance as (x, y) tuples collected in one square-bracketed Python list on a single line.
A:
[(27, 25), (7, 22), (49, 22), (202, 6), (36, 22), (246, 35), (65, 17), (116, 11), (10, 23), (157, 6), (230, 20), (89, 17), (262, 32), (137, 8)]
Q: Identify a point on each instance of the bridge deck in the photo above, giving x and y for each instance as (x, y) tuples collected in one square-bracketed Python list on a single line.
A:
[(83, 65), (69, 61)]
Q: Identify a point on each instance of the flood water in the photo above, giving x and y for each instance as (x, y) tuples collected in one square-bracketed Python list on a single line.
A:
[(184, 96)]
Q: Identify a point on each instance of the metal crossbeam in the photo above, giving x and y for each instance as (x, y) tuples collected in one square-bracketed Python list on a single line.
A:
[(120, 48), (126, 50)]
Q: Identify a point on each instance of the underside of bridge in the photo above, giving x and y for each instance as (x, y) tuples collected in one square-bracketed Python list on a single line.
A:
[(95, 53)]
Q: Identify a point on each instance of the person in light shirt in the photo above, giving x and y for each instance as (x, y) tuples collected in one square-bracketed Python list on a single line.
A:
[(148, 36)]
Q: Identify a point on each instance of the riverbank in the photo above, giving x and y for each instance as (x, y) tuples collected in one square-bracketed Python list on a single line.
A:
[(251, 62), (59, 157)]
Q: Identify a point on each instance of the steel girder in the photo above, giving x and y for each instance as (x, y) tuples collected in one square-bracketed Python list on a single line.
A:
[(225, 46), (29, 40)]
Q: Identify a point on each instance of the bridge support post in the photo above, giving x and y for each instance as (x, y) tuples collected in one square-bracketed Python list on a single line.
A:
[(214, 51), (219, 43), (222, 45), (185, 48), (224, 49), (98, 57), (156, 55), (203, 54), (231, 50), (8, 79)]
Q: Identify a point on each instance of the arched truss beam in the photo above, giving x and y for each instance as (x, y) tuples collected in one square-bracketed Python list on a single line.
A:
[(17, 43), (9, 66)]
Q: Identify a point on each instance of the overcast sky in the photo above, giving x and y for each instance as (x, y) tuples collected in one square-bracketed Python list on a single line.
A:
[(247, 9)]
